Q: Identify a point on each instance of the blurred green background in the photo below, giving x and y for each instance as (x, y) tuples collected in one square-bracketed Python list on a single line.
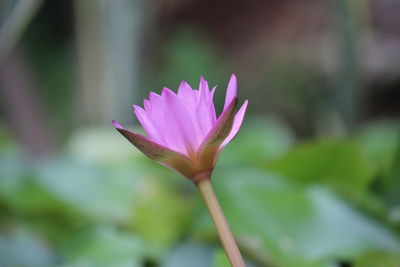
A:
[(312, 180)]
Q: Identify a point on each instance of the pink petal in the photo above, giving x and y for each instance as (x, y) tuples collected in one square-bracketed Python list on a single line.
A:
[(157, 116), (184, 89), (147, 106), (188, 97), (209, 148), (117, 125), (213, 115), (203, 111), (153, 105), (208, 93), (160, 153), (147, 124), (237, 123), (180, 125), (231, 92), (187, 94), (203, 88)]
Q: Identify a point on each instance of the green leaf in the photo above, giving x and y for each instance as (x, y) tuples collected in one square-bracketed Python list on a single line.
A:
[(19, 191), (104, 147), (7, 139), (279, 223), (259, 141), (379, 141), (221, 259), (392, 183), (93, 193), (24, 249), (339, 164), (189, 254), (103, 246), (162, 214), (63, 192), (378, 259)]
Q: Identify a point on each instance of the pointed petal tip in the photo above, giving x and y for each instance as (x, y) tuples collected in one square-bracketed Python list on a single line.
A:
[(167, 91), (231, 91), (183, 86), (203, 83), (146, 104), (237, 123), (166, 156), (153, 96), (136, 107), (242, 110), (117, 125), (232, 80), (208, 150)]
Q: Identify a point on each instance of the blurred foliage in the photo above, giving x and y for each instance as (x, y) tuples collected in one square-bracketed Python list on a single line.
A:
[(101, 203), (378, 259), (189, 55), (97, 201), (181, 51), (333, 162)]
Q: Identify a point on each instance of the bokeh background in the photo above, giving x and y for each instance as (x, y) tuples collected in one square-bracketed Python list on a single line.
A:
[(312, 180)]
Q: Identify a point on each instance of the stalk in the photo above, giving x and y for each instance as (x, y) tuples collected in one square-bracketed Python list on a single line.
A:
[(224, 232)]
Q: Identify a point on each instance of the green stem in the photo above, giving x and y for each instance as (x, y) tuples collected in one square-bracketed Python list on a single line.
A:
[(224, 232)]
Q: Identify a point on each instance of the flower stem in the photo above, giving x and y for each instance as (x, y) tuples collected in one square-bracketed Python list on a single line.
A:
[(224, 232)]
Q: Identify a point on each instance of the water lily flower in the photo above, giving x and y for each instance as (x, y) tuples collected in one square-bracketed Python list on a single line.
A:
[(183, 131)]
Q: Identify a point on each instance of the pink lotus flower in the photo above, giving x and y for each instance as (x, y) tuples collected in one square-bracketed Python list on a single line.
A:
[(183, 131)]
